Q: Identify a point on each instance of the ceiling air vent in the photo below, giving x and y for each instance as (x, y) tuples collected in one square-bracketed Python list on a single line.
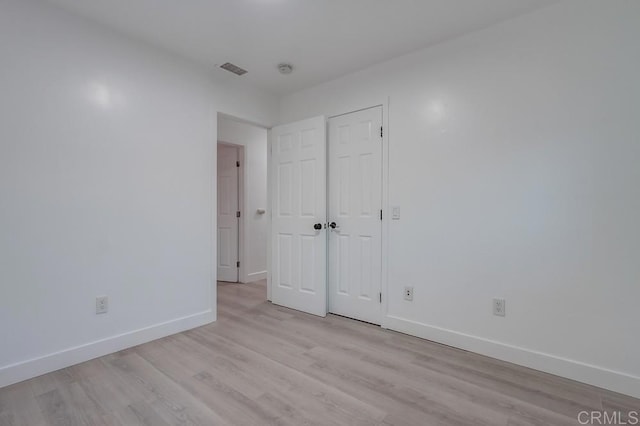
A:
[(233, 68)]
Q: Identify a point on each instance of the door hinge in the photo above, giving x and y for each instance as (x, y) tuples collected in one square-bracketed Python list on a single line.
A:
[(380, 214), (238, 214), (237, 164), (238, 264), (380, 131), (380, 297)]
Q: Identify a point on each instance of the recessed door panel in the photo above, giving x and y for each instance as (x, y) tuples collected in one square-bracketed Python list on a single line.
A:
[(285, 189), (308, 263), (367, 196), (343, 185), (342, 256), (365, 259), (307, 188), (285, 260), (225, 258)]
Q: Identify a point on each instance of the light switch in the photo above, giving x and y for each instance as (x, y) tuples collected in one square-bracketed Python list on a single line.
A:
[(395, 213)]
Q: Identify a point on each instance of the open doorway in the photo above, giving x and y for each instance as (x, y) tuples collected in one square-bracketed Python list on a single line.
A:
[(242, 222)]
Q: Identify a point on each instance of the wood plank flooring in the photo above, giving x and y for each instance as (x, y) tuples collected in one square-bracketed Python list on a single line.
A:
[(261, 364)]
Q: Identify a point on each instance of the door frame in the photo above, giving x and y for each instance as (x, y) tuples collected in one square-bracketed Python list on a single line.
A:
[(241, 205), (352, 107)]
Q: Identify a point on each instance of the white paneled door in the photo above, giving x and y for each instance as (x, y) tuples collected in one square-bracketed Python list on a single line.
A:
[(355, 203), (298, 238), (228, 221)]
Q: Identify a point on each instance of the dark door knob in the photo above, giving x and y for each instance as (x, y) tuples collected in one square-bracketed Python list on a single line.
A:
[(333, 225), (317, 226)]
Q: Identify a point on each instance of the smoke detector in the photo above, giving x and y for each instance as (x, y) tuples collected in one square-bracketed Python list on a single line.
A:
[(285, 68)]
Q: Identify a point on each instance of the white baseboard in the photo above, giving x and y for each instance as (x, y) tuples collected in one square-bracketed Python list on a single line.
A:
[(24, 370), (256, 276), (591, 374)]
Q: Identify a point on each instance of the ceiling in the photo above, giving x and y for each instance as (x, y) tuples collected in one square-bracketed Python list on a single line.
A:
[(323, 39)]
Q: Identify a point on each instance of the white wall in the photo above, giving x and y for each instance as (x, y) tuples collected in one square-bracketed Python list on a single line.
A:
[(256, 226), (107, 165), (514, 158)]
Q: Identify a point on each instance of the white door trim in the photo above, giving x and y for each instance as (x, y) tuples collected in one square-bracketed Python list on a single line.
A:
[(269, 215)]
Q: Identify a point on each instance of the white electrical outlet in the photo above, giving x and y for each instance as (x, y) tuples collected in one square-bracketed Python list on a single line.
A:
[(408, 293), (499, 307), (102, 305)]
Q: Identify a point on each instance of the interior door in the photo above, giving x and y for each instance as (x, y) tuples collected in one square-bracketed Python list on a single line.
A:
[(355, 203), (227, 213), (298, 238)]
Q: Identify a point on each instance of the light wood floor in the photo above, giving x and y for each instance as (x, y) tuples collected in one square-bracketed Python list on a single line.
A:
[(261, 364)]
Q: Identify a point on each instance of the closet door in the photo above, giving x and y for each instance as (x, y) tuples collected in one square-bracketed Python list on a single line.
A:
[(298, 235), (355, 224)]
